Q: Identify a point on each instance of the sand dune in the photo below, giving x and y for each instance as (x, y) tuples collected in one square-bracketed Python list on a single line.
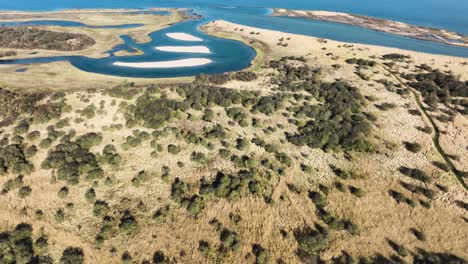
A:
[(189, 49), (192, 62), (183, 36)]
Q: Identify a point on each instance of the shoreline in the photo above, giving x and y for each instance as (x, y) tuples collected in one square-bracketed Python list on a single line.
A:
[(184, 49), (183, 36), (183, 63), (378, 24)]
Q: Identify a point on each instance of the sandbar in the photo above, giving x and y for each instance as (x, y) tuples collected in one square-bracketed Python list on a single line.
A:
[(192, 62), (188, 49), (383, 25), (183, 36)]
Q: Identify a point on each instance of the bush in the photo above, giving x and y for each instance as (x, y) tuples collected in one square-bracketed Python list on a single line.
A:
[(12, 184), (126, 258), (311, 242), (361, 62), (395, 56), (159, 257), (22, 128), (72, 255), (242, 144), (418, 234), (34, 135), (198, 156), (358, 192), (13, 160), (24, 191), (141, 177), (89, 140), (63, 192), (413, 147), (162, 213), (128, 223), (415, 174), (100, 208), (90, 195), (17, 246), (173, 149)]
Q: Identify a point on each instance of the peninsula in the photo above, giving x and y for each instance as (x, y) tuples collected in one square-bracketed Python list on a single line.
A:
[(383, 25)]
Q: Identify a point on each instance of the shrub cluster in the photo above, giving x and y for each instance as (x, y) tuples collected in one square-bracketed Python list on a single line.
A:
[(18, 246), (234, 187), (72, 159), (180, 193), (338, 123), (438, 87), (361, 62)]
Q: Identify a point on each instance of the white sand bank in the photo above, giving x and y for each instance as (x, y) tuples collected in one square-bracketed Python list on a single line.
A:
[(189, 49), (165, 64), (183, 36)]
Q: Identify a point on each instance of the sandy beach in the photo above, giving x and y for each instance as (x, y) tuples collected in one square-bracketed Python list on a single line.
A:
[(165, 64), (183, 36), (187, 49)]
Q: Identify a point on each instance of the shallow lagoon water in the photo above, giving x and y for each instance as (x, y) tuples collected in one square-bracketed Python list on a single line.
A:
[(228, 55)]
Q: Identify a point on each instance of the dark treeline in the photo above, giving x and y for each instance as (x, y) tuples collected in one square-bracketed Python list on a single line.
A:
[(36, 38), (243, 76), (8, 53), (13, 105)]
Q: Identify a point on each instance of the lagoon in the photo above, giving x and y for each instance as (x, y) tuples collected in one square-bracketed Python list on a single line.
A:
[(228, 55)]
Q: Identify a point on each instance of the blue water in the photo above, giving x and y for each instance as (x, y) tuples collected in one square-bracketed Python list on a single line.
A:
[(228, 55), (450, 14)]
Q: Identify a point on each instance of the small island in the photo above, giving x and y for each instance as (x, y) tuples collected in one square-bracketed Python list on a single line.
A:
[(383, 25)]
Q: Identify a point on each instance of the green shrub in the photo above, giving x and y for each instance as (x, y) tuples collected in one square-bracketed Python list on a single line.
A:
[(173, 149), (63, 192), (415, 174), (198, 156), (12, 184), (311, 242), (418, 234), (413, 147), (100, 208), (24, 191), (59, 216), (30, 151), (242, 144), (261, 255), (141, 177), (90, 195), (128, 223), (34, 135), (162, 213), (72, 255), (22, 128), (126, 258), (13, 160), (159, 257), (358, 192), (89, 140)]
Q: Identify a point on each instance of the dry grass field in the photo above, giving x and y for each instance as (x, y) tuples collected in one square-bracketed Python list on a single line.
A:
[(159, 195)]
